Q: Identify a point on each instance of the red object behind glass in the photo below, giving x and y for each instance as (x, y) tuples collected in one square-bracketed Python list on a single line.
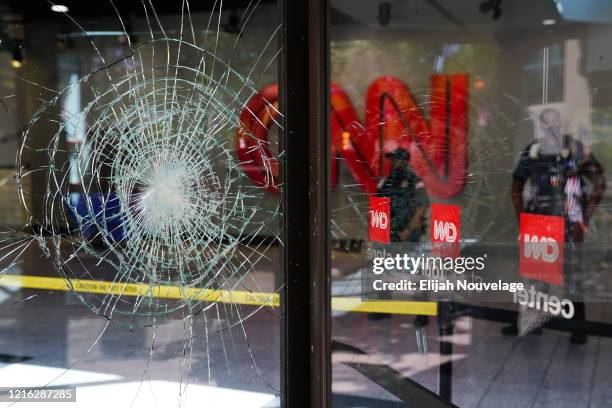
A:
[(393, 118), (541, 245), (379, 220)]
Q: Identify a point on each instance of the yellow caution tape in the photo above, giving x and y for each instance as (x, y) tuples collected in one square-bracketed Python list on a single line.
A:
[(350, 304), (355, 304)]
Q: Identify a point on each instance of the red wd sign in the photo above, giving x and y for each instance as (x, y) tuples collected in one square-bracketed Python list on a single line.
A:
[(445, 225), (379, 219), (541, 245)]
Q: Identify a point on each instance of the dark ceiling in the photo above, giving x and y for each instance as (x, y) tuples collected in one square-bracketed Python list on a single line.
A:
[(40, 9)]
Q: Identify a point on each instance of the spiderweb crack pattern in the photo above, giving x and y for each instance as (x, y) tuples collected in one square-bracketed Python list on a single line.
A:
[(154, 170), (161, 199)]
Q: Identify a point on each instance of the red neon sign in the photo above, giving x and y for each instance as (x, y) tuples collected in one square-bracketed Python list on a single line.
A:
[(393, 118)]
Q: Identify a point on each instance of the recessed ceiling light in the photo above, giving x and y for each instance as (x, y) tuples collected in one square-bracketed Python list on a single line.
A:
[(59, 8), (549, 21)]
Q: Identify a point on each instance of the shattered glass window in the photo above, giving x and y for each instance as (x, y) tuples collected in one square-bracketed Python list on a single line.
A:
[(140, 204)]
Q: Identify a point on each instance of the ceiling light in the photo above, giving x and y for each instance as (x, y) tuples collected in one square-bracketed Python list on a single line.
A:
[(59, 8), (549, 21)]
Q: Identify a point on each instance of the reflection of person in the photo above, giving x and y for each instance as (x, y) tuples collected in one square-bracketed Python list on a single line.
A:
[(408, 198), (408, 202), (556, 166)]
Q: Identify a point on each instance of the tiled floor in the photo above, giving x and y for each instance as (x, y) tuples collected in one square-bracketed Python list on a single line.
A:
[(489, 369)]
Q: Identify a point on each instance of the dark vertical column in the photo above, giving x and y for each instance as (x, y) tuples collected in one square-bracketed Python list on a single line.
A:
[(41, 66), (304, 93), (445, 370)]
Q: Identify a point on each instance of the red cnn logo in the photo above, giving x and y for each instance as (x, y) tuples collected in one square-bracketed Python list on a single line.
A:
[(393, 118), (380, 220), (445, 227), (541, 245)]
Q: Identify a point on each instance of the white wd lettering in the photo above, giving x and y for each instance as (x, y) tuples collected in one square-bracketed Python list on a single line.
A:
[(379, 219), (540, 247), (445, 231)]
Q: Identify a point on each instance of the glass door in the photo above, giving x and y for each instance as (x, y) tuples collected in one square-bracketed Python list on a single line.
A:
[(140, 213), (470, 215)]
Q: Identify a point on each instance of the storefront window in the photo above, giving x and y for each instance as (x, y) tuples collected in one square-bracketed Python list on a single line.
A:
[(140, 215), (170, 220), (474, 134)]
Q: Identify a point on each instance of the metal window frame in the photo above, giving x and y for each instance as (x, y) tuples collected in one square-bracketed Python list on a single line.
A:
[(306, 296)]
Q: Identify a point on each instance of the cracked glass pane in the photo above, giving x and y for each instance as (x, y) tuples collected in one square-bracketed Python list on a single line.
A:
[(140, 202)]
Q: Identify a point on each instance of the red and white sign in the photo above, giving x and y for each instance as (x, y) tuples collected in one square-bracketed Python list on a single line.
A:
[(541, 244), (445, 228), (380, 219)]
